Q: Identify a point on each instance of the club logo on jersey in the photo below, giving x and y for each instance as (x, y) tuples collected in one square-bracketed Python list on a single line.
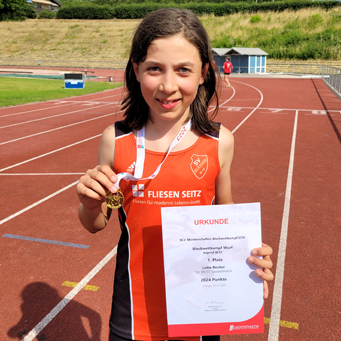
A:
[(199, 165), (138, 190), (131, 168)]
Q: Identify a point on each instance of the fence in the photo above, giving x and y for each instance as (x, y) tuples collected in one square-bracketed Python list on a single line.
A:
[(330, 74)]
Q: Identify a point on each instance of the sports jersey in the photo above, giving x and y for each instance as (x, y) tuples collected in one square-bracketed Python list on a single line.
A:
[(227, 67), (187, 177)]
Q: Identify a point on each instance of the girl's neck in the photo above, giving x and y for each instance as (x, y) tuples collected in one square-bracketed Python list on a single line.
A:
[(160, 136)]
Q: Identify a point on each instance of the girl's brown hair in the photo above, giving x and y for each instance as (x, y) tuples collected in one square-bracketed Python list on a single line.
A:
[(161, 24)]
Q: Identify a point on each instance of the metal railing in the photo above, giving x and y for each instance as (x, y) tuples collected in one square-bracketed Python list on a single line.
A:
[(330, 74)]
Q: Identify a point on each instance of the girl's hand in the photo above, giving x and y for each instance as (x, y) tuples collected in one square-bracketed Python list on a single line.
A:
[(265, 263), (94, 185)]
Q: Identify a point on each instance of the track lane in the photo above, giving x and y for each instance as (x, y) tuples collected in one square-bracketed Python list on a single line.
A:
[(112, 96), (272, 144), (29, 108), (313, 241), (30, 163)]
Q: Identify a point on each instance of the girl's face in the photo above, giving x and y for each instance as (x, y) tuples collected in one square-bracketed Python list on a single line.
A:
[(169, 77)]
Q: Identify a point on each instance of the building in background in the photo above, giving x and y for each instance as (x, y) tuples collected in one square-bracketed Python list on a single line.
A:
[(51, 5), (243, 59)]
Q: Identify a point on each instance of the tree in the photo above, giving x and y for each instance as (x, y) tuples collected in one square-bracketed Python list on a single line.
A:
[(16, 10)]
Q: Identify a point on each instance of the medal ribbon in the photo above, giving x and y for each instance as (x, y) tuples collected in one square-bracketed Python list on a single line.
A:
[(115, 200), (140, 155)]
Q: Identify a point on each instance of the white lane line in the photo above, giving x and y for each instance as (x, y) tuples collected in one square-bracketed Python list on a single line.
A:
[(56, 102), (220, 105), (313, 111), (90, 102), (37, 203), (61, 305), (53, 151), (67, 113), (53, 116), (255, 108), (67, 126), (278, 287), (24, 112), (52, 101)]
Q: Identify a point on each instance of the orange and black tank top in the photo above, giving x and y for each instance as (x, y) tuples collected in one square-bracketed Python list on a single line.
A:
[(186, 178)]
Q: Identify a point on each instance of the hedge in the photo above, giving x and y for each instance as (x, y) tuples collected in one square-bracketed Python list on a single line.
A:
[(86, 12), (16, 10), (137, 11), (172, 2), (46, 14)]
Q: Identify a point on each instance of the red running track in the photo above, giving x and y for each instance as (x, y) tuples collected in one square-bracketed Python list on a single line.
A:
[(287, 156)]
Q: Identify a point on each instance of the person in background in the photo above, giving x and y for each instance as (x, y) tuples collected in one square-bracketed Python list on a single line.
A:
[(228, 67)]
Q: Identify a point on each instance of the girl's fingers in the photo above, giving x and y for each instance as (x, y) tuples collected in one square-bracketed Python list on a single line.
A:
[(97, 182), (108, 172), (261, 256), (265, 274), (84, 191), (264, 262), (265, 290), (265, 250)]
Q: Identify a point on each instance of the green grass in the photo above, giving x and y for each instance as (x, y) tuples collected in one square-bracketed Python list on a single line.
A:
[(14, 91)]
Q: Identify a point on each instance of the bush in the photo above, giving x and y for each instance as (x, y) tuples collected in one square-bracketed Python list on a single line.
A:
[(139, 10), (46, 14), (255, 18), (87, 11), (31, 13), (16, 10)]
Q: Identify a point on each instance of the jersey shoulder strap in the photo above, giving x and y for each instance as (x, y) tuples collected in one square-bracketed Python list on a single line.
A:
[(122, 129), (215, 134)]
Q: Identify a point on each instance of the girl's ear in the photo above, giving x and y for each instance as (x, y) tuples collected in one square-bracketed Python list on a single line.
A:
[(203, 74), (136, 70)]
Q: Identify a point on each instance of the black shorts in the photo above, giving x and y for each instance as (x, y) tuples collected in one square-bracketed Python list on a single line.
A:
[(114, 337), (227, 73)]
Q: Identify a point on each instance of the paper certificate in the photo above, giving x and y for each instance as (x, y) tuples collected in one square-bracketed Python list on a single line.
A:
[(211, 289)]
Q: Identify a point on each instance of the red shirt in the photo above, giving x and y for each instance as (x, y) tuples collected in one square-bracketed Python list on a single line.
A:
[(186, 178), (228, 67)]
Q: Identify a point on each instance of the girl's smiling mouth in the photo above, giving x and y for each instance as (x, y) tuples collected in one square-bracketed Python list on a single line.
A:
[(168, 104)]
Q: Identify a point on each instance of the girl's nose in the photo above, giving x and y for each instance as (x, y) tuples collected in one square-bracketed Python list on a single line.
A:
[(168, 83)]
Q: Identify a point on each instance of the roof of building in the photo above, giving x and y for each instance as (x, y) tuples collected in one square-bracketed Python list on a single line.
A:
[(249, 51), (54, 3), (57, 2)]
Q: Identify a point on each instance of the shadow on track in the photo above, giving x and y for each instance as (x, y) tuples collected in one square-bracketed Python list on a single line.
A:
[(38, 300), (337, 132)]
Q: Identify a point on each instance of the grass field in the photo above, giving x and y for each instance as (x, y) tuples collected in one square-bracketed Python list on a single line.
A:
[(109, 40), (14, 91)]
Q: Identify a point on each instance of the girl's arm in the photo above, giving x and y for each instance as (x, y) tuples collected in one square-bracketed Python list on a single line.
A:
[(93, 186), (224, 196)]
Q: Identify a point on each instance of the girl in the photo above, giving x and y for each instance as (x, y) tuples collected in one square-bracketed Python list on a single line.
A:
[(170, 82)]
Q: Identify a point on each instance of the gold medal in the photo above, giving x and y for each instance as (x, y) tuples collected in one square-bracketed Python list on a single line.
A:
[(114, 200)]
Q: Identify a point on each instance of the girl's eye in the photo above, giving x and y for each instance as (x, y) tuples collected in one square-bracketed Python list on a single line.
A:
[(184, 70), (154, 69)]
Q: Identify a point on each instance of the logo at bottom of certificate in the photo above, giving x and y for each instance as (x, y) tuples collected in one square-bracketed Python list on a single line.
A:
[(244, 327)]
